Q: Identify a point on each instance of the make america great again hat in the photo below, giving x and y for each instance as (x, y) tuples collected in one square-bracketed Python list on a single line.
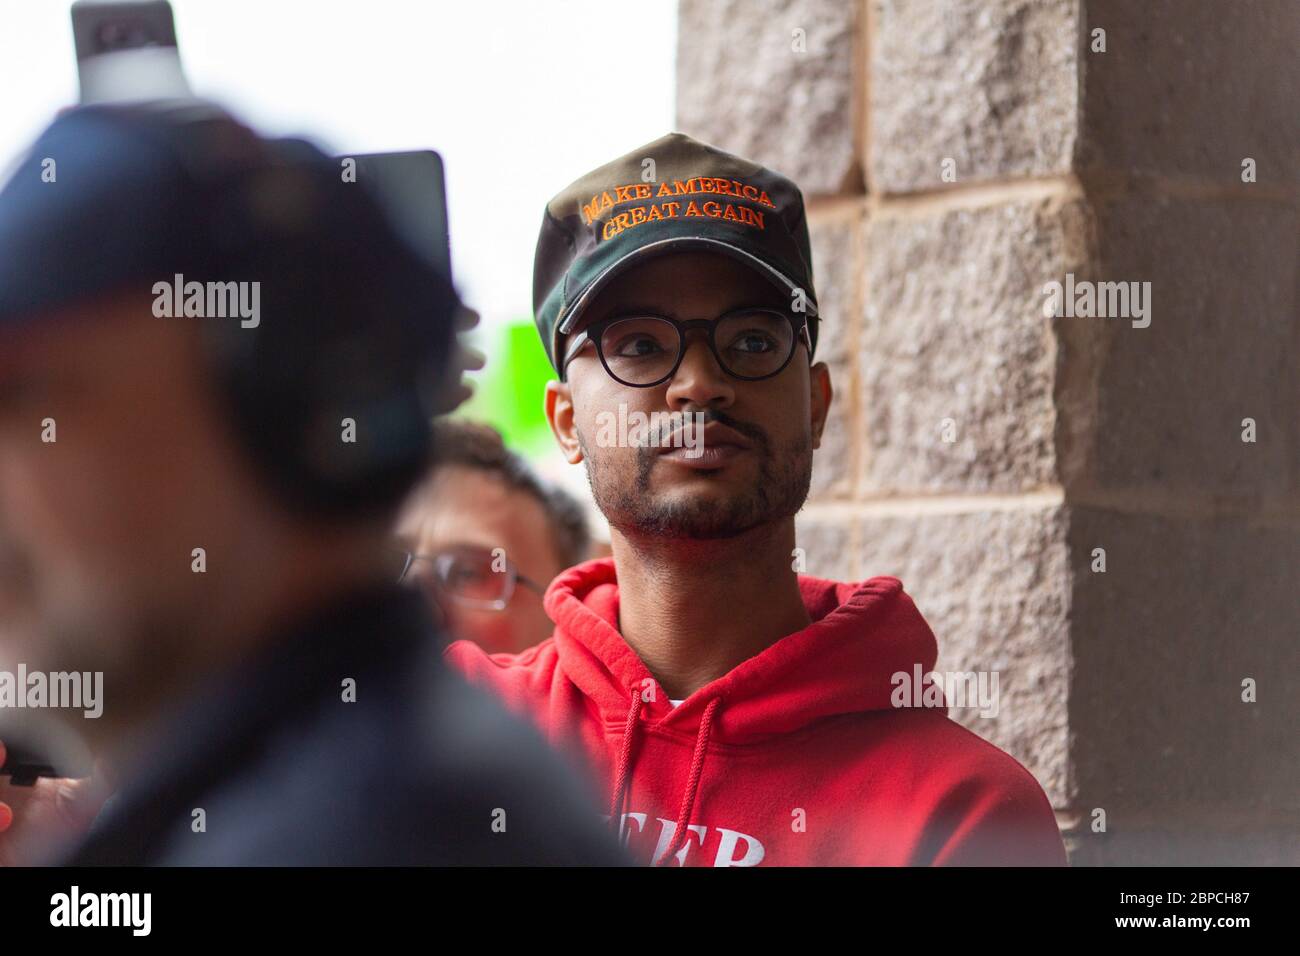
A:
[(672, 195)]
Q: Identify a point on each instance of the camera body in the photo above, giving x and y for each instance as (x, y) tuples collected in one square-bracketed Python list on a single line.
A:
[(127, 51), (23, 766)]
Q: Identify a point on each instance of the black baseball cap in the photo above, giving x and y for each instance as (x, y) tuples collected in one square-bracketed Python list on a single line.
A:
[(672, 195)]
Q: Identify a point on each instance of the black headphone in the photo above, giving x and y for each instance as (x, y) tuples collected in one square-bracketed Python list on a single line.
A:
[(332, 390)]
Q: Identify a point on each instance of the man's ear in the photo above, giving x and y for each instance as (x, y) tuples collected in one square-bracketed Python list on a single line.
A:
[(559, 415), (820, 395)]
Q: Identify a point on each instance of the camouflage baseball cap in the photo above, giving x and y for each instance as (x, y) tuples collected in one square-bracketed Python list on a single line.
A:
[(671, 195)]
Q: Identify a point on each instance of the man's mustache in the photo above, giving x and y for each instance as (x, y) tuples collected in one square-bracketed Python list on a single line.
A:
[(13, 568), (698, 418)]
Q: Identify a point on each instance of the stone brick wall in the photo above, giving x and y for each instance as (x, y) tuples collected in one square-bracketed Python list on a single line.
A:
[(1121, 689)]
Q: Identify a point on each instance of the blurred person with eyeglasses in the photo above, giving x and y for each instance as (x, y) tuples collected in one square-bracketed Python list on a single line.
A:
[(484, 535)]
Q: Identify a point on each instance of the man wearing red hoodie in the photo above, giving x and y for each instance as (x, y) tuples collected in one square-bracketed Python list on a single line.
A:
[(737, 712)]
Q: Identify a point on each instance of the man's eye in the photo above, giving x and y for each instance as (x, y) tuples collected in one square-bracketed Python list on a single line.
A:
[(460, 574), (752, 342), (637, 346), (18, 394), (26, 391)]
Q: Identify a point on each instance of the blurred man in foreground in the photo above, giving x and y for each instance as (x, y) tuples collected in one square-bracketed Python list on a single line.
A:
[(486, 536), (215, 385)]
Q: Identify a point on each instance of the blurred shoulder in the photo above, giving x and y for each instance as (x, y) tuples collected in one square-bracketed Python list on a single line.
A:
[(515, 800), (532, 668), (426, 771)]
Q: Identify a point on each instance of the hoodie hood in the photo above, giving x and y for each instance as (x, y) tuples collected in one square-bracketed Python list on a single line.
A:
[(841, 663)]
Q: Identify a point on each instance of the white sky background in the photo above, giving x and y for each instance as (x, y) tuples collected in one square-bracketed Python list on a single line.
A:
[(520, 97)]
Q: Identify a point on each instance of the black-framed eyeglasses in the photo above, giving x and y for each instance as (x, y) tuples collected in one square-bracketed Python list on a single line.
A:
[(642, 350), (470, 576)]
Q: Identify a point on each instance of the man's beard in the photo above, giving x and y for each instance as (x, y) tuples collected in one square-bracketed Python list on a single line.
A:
[(90, 627), (780, 490)]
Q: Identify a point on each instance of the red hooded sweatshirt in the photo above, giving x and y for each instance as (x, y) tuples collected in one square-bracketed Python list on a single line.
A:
[(795, 757)]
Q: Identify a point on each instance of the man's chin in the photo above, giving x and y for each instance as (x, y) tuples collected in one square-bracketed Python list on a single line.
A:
[(18, 637), (674, 502), (685, 477), (708, 514), (704, 490)]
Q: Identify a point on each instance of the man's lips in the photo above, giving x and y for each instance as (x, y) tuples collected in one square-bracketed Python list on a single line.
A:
[(711, 447)]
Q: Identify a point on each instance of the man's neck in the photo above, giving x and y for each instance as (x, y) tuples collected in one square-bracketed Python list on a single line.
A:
[(694, 609)]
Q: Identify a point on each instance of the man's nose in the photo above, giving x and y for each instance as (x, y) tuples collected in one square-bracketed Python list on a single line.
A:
[(699, 379)]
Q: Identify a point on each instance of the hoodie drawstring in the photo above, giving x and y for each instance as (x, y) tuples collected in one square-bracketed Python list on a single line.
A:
[(692, 783), (624, 764), (623, 771)]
